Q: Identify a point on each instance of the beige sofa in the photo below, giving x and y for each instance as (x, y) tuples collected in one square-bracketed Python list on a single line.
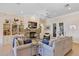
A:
[(62, 45), (24, 50), (29, 49), (58, 46)]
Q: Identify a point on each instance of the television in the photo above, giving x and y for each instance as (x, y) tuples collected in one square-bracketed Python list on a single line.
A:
[(32, 24)]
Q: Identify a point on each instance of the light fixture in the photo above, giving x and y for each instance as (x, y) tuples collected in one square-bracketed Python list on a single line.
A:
[(73, 27), (68, 6)]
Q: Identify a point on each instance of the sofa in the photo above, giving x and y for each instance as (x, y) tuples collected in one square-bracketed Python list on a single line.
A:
[(58, 46), (24, 50), (24, 47)]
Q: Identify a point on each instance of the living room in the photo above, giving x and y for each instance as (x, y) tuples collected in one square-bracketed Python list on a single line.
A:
[(36, 29)]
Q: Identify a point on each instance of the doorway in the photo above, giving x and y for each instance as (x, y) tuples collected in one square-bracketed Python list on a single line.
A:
[(54, 30)]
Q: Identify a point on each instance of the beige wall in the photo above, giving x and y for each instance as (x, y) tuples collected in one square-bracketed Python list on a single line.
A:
[(68, 20)]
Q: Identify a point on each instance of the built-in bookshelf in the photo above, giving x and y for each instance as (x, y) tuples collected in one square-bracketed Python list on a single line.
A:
[(6, 28), (21, 28), (16, 27)]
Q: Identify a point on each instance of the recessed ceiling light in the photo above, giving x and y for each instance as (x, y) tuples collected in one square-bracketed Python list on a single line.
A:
[(69, 8), (21, 12)]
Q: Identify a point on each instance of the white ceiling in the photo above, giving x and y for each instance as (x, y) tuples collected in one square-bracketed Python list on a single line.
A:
[(28, 9)]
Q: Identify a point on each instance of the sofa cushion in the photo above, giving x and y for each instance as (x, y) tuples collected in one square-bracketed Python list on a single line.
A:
[(20, 41), (27, 41), (45, 41)]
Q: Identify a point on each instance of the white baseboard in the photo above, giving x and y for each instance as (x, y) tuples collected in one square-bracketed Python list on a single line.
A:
[(76, 42)]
